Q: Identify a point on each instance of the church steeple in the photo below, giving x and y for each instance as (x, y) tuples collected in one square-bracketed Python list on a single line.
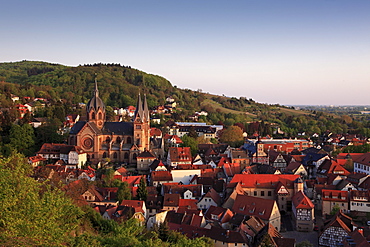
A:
[(95, 108), (139, 113), (142, 125)]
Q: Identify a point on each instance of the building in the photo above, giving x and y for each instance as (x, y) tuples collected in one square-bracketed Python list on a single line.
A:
[(113, 141), (303, 211), (334, 198), (72, 156), (279, 187)]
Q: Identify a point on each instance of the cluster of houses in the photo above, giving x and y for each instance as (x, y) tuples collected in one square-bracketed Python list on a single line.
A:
[(235, 196)]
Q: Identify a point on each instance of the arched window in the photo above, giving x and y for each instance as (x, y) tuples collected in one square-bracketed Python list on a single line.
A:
[(118, 140), (100, 115), (107, 140), (126, 156), (134, 156), (104, 155), (115, 156), (93, 115), (129, 140)]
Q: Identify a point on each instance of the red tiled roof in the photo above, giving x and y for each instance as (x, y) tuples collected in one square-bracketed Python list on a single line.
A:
[(161, 176), (334, 195), (135, 204), (300, 200), (180, 154), (263, 180), (250, 205)]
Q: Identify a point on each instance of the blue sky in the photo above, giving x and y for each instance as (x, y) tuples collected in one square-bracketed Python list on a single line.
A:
[(286, 52)]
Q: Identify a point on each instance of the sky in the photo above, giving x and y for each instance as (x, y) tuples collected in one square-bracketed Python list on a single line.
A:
[(274, 51)]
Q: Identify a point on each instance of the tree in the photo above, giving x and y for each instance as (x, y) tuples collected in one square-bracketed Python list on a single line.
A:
[(22, 139), (142, 192), (108, 177), (42, 208), (233, 136), (335, 209), (188, 141), (123, 192)]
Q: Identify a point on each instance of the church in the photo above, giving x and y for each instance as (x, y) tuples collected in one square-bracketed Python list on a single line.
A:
[(119, 142)]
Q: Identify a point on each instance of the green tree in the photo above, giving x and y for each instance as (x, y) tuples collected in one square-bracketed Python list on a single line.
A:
[(123, 192), (142, 192), (29, 209), (22, 139), (233, 136), (188, 141), (335, 209)]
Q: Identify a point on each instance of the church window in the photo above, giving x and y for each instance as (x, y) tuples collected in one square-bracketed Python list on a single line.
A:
[(134, 156), (100, 115), (107, 140), (115, 156), (118, 140), (93, 115), (126, 156)]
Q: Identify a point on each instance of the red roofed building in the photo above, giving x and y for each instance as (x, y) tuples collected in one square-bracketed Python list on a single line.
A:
[(303, 211), (173, 140), (36, 160), (332, 198), (211, 198), (179, 155), (362, 164), (279, 187), (160, 177), (336, 230), (144, 159), (265, 209)]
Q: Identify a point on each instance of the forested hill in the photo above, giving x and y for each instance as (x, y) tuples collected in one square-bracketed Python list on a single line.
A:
[(119, 86)]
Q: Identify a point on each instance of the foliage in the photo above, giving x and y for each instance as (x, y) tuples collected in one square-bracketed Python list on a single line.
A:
[(233, 136), (191, 142), (142, 192), (30, 209), (335, 209), (123, 192)]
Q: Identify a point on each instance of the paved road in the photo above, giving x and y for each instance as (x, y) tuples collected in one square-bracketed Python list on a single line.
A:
[(290, 232)]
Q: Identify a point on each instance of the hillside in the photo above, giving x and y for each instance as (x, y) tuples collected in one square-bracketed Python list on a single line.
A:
[(119, 86)]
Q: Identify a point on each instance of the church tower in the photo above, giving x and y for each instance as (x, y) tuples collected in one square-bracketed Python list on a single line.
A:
[(142, 125), (95, 109)]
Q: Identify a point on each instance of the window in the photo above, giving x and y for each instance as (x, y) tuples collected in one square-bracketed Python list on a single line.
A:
[(269, 193), (262, 193), (138, 127), (255, 193)]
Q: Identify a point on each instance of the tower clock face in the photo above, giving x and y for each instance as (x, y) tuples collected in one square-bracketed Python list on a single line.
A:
[(87, 143)]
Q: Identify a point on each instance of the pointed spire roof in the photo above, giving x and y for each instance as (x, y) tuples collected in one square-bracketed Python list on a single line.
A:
[(146, 110), (95, 102), (139, 113)]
